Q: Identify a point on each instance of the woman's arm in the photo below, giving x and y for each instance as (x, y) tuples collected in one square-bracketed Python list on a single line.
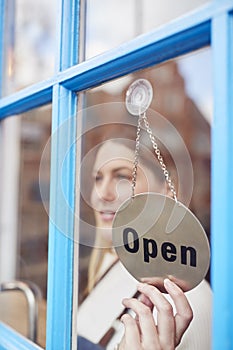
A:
[(142, 333)]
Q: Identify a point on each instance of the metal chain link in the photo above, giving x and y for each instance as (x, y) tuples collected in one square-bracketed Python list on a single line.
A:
[(136, 155), (157, 153)]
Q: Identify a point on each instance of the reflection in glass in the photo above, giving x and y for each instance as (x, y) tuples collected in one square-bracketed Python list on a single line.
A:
[(111, 23), (25, 262), (29, 42), (106, 175)]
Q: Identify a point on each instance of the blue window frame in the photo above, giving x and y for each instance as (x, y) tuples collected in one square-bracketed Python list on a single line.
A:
[(210, 25)]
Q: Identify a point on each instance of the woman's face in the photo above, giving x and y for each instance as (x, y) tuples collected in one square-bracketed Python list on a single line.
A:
[(112, 174)]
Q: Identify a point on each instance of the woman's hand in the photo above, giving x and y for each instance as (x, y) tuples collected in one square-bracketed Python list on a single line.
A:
[(142, 333)]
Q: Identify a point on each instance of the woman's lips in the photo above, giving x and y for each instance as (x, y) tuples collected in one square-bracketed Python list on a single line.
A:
[(107, 216)]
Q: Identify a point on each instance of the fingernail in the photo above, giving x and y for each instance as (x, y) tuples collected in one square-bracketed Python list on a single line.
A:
[(124, 301), (141, 286), (169, 283)]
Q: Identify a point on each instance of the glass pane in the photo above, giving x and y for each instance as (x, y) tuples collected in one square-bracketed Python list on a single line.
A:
[(110, 23), (24, 215), (181, 105), (29, 42)]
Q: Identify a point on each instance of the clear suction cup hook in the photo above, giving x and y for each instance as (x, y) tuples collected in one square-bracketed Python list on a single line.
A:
[(139, 96)]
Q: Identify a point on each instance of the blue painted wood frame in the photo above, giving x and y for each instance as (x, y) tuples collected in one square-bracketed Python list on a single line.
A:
[(179, 37), (11, 340), (61, 223), (62, 189), (222, 175)]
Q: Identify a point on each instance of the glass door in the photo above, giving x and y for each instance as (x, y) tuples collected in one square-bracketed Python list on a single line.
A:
[(142, 50)]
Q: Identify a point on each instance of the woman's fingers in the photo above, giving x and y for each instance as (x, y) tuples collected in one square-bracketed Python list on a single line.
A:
[(184, 313), (142, 332), (165, 318), (145, 322), (146, 301), (131, 338)]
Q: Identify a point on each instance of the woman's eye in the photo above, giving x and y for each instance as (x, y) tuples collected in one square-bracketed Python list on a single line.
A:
[(123, 177), (97, 178)]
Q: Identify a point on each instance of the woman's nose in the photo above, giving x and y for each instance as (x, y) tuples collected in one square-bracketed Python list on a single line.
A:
[(107, 190)]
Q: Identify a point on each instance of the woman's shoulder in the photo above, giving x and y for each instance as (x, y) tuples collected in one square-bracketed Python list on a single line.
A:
[(198, 335), (203, 291)]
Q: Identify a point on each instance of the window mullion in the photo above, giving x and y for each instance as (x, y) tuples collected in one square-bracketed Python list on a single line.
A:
[(68, 31), (62, 191), (61, 227)]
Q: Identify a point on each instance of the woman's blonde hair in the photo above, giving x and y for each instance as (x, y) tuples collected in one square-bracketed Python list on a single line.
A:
[(96, 260)]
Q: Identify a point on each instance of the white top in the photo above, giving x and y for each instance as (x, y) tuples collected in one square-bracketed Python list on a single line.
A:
[(102, 307)]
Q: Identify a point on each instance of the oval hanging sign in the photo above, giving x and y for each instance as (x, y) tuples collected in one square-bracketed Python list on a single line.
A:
[(156, 237)]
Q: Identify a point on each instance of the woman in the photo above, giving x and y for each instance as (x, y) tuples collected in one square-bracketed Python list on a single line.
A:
[(148, 316)]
